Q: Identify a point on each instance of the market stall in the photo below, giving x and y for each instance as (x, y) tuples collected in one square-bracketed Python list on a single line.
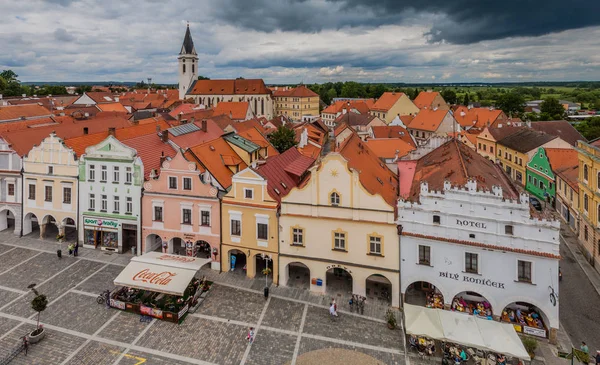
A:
[(463, 330), (159, 285), (525, 319)]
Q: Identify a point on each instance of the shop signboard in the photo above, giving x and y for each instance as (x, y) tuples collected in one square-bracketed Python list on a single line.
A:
[(99, 222), (117, 304), (183, 311), (534, 331), (152, 312), (518, 328)]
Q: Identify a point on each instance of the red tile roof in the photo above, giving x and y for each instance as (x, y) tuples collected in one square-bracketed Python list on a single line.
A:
[(478, 117), (234, 109), (374, 175), (386, 101), (150, 148), (310, 150), (457, 163), (197, 137), (284, 172), (254, 135), (389, 147), (112, 107), (570, 175), (300, 91), (353, 119), (30, 123), (229, 87), (561, 158), (425, 99), (393, 132), (561, 129), (216, 156), (182, 108), (428, 120), (100, 96), (16, 112)]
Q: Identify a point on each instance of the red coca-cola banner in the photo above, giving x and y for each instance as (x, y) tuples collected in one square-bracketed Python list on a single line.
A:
[(156, 278)]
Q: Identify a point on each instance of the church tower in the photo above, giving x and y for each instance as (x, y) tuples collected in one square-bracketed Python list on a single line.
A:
[(188, 64)]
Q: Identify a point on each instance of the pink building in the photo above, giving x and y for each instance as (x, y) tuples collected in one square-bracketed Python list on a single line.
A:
[(180, 213)]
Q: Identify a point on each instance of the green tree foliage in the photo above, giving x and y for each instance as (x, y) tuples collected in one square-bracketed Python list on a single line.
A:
[(38, 303), (283, 139), (449, 96), (590, 128), (511, 103), (83, 89), (466, 100), (552, 109), (11, 86), (352, 89), (9, 76), (330, 95), (200, 77)]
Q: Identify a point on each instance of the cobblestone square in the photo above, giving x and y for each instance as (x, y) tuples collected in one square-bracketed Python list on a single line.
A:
[(4, 248), (231, 303), (125, 328), (263, 353), (102, 281), (97, 353), (11, 258), (79, 313), (7, 297), (283, 314), (36, 270)]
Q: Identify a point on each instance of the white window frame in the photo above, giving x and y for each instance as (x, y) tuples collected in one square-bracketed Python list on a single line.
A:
[(29, 191), (169, 182), (465, 262), (419, 255), (532, 271), (209, 217), (103, 203), (262, 219), (129, 205), (380, 243), (70, 187), (158, 203), (116, 204), (116, 174), (340, 239), (235, 215), (92, 201), (103, 173), (128, 175), (92, 173), (297, 232), (183, 179)]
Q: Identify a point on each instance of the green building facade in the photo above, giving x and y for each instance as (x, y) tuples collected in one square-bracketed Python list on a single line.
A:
[(541, 181)]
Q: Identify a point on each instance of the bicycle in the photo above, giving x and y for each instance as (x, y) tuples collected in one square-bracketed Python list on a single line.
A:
[(553, 296), (103, 297)]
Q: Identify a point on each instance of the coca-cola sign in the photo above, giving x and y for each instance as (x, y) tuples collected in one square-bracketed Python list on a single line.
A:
[(176, 258), (156, 278)]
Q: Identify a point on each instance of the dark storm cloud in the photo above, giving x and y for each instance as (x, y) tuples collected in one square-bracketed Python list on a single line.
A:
[(62, 35), (454, 21)]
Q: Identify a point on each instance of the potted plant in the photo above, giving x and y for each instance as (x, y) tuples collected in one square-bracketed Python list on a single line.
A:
[(38, 304), (530, 345), (390, 318)]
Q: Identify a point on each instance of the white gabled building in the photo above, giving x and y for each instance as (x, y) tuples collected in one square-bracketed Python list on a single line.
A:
[(469, 235)]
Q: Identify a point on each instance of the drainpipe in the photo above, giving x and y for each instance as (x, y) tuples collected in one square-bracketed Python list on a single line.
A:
[(221, 234), (399, 227), (76, 221), (22, 200), (138, 248), (278, 214)]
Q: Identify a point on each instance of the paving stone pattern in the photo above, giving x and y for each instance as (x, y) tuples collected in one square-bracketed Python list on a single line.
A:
[(263, 352), (78, 312), (35, 270), (351, 328), (53, 349), (4, 248), (283, 314), (5, 326), (101, 281), (55, 287), (97, 353), (308, 344), (7, 297), (125, 328), (231, 303), (134, 358), (15, 257), (216, 342)]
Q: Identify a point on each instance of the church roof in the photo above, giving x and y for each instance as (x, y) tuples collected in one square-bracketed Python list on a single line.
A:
[(188, 43)]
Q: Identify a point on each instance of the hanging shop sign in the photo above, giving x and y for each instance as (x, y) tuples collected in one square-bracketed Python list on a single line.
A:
[(468, 279), (97, 222)]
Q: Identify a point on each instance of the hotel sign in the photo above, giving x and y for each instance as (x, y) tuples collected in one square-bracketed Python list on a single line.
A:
[(468, 279), (468, 223)]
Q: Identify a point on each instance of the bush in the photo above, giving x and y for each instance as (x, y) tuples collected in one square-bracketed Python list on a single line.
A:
[(39, 304), (390, 317), (530, 344)]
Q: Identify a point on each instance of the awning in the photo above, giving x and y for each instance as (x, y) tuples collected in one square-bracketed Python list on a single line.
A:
[(165, 259), (158, 278), (464, 329)]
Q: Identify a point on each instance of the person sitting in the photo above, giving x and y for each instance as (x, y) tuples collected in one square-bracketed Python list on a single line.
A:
[(412, 341), (511, 315), (463, 355), (501, 360)]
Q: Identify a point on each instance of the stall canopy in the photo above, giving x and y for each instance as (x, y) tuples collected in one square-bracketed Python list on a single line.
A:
[(464, 329), (163, 273)]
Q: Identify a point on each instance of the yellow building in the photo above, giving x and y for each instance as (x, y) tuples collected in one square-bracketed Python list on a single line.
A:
[(50, 173), (392, 104), (589, 199), (487, 140), (515, 151), (296, 102), (567, 195), (338, 229), (250, 230)]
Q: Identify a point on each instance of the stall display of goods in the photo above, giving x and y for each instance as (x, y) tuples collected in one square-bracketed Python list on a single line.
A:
[(435, 300), (525, 321), (482, 309)]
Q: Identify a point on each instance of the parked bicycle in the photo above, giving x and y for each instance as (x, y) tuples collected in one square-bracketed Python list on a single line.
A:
[(103, 297)]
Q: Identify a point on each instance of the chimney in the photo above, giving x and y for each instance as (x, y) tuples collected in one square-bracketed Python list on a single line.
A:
[(165, 136), (85, 130), (135, 122), (162, 158), (111, 131), (204, 125), (192, 120)]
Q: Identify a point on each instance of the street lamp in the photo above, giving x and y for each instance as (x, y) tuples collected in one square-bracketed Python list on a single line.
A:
[(266, 272)]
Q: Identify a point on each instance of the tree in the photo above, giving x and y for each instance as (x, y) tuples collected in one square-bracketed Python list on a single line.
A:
[(449, 96), (415, 94), (38, 304), (283, 139), (9, 76), (590, 128), (552, 108), (352, 89), (83, 88), (331, 94), (3, 83), (511, 103), (466, 100), (200, 77)]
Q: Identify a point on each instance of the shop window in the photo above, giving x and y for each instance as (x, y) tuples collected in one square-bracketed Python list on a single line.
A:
[(128, 175), (248, 193), (375, 245), (334, 199), (205, 218), (298, 236), (172, 182), (186, 216), (262, 231), (339, 240), (436, 219), (116, 205), (11, 189), (103, 174), (92, 202), (236, 227), (508, 229), (66, 195), (129, 206), (116, 174), (48, 193), (31, 195), (158, 214), (104, 203), (92, 173), (424, 255), (471, 263), (524, 271), (187, 183)]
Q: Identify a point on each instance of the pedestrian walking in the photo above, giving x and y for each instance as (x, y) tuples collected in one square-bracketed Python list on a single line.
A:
[(250, 336), (598, 357), (584, 348), (76, 249), (70, 247), (25, 344)]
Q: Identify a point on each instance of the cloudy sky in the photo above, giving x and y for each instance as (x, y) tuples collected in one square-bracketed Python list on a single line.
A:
[(289, 41)]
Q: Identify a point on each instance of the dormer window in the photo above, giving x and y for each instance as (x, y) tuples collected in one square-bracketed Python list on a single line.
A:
[(334, 199)]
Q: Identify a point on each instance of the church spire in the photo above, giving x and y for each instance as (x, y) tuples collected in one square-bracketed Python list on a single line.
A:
[(188, 43)]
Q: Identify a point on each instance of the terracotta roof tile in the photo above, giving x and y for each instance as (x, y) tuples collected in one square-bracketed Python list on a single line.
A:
[(183, 108), (389, 147), (561, 129), (428, 120), (561, 158), (393, 132), (505, 131), (254, 135), (310, 150), (425, 99), (217, 157), (150, 148), (229, 87), (353, 119), (100, 96), (570, 175), (112, 107), (283, 172), (30, 123), (234, 109), (16, 112), (386, 101), (196, 136), (477, 117)]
